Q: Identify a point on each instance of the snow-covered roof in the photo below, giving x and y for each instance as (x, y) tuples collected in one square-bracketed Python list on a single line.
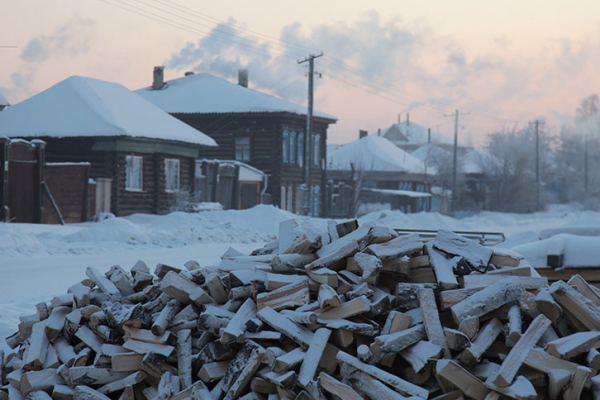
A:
[(207, 94), (3, 101), (415, 134), (429, 152), (475, 161), (374, 153), (87, 107)]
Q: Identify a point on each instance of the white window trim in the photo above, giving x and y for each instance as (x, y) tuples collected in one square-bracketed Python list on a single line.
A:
[(178, 162), (133, 159)]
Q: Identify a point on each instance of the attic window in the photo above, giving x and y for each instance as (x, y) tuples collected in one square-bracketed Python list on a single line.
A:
[(134, 173)]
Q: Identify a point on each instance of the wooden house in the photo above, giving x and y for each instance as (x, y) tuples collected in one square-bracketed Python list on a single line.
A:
[(148, 155), (259, 129), (372, 174)]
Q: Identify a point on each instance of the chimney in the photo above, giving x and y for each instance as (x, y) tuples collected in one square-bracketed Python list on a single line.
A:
[(407, 119), (243, 77), (362, 134), (399, 119), (379, 132), (159, 78), (188, 73), (428, 135)]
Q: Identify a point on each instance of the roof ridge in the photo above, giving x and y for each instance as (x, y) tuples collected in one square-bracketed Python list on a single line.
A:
[(108, 115)]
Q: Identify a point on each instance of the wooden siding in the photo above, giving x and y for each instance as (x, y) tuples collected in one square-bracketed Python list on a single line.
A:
[(69, 187), (153, 198), (266, 135)]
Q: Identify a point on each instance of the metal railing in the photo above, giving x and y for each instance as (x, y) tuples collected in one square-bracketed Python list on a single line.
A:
[(484, 238)]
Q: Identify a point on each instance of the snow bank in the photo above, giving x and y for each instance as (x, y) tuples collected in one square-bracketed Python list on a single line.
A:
[(142, 231), (579, 251)]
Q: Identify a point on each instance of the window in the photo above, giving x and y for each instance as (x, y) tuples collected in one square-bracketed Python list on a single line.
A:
[(293, 148), (134, 173), (301, 149), (242, 149), (171, 174), (286, 145), (316, 151)]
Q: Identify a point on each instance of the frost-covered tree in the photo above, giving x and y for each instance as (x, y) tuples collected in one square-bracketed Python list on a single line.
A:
[(514, 189)]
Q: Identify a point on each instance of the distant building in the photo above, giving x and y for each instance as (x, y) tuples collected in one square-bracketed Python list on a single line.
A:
[(256, 128), (410, 136), (371, 174), (146, 155)]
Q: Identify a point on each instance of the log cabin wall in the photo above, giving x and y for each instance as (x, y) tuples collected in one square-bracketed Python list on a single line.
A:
[(266, 140), (70, 188), (107, 161)]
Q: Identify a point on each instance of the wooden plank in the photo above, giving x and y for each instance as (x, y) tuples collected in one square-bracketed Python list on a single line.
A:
[(511, 364), (528, 282), (398, 384), (442, 267), (482, 342), (431, 320), (488, 299), (237, 326), (103, 283), (573, 345), (313, 357), (576, 304), (348, 309), (281, 323), (289, 296), (337, 388), (462, 379)]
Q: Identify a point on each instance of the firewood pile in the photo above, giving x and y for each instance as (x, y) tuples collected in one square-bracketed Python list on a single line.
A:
[(351, 313)]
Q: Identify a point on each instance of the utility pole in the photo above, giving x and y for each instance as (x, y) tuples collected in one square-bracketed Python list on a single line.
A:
[(455, 159), (308, 141), (585, 160), (537, 164)]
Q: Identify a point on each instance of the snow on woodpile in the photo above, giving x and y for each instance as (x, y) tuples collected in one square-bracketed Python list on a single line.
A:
[(563, 250), (374, 153), (350, 312), (80, 106)]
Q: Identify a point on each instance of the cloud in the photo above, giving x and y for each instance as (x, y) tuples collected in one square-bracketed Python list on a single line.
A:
[(408, 62), (70, 40)]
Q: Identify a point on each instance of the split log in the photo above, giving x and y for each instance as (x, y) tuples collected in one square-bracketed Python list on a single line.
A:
[(313, 357), (516, 357), (456, 375), (488, 299)]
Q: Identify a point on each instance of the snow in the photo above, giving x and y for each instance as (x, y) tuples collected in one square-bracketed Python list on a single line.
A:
[(80, 106), (208, 94), (407, 193), (418, 134), (579, 251), (374, 153), (40, 261), (473, 161)]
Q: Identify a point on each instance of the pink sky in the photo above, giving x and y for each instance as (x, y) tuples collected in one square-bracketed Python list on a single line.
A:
[(504, 61)]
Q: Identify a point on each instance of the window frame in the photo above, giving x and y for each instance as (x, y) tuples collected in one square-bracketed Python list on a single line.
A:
[(292, 150), (242, 148), (301, 149), (130, 161), (285, 150), (167, 163), (316, 157)]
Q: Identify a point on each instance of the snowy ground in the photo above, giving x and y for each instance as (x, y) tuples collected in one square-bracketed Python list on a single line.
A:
[(40, 261)]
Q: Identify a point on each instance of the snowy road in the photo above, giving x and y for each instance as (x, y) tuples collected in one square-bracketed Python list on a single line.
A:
[(26, 281)]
